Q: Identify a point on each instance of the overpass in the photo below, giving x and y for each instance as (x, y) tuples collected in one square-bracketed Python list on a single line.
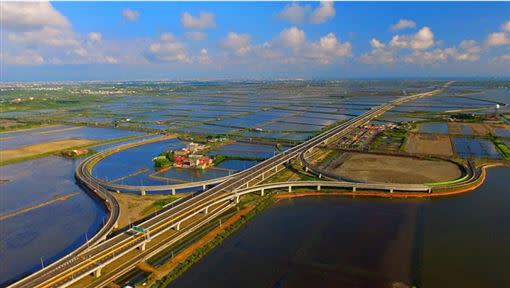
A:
[(91, 261)]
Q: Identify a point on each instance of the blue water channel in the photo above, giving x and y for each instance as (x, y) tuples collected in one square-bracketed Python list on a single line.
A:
[(48, 232)]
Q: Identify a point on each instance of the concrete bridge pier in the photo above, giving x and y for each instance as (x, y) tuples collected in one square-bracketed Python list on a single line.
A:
[(178, 226), (290, 188), (142, 192), (306, 169), (118, 191), (142, 247), (262, 192), (391, 190), (237, 199), (204, 187), (173, 191), (206, 210), (320, 175), (430, 190), (353, 188), (318, 187)]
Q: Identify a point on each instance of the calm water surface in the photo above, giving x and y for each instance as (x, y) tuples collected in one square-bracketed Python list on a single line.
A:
[(50, 231), (460, 241)]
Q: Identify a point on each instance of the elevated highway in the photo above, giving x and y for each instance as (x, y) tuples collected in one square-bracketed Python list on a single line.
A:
[(93, 260)]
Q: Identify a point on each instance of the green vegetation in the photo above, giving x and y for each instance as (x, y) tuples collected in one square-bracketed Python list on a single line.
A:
[(161, 162), (394, 138), (220, 158), (159, 204), (67, 153), (502, 147), (182, 267)]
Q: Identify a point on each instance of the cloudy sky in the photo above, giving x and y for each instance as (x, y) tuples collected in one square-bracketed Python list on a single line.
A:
[(320, 40)]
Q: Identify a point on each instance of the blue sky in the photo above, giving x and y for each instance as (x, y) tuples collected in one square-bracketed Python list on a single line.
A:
[(231, 40)]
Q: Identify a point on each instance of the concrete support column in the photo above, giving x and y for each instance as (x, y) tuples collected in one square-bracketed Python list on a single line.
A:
[(118, 191), (97, 272), (430, 190), (142, 247), (262, 192), (318, 187), (353, 188), (237, 199), (204, 187), (290, 188), (391, 190), (173, 191), (263, 176), (206, 210), (178, 226), (142, 192), (320, 175), (116, 225), (306, 169)]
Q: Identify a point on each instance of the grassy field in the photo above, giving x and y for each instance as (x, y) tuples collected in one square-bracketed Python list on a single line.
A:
[(9, 155)]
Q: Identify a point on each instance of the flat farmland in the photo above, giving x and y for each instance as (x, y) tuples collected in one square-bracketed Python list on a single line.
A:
[(395, 169), (42, 148), (429, 144)]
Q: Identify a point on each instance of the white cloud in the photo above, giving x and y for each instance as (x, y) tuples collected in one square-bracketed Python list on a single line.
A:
[(130, 15), (295, 13), (167, 37), (22, 16), (468, 50), (266, 51), (168, 49), (423, 39), (328, 48), (376, 44), (35, 25), (506, 26), (403, 24), (45, 36), (94, 37), (204, 58), (204, 20), (168, 52), (427, 57), (196, 35), (323, 13), (238, 43), (497, 39), (24, 58), (292, 37), (378, 55)]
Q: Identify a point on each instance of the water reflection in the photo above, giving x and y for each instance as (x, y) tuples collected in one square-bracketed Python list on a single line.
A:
[(460, 241)]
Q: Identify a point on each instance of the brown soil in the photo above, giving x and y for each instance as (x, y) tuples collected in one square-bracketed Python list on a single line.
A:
[(455, 127), (132, 206), (395, 169), (429, 144), (7, 124), (41, 148), (479, 129)]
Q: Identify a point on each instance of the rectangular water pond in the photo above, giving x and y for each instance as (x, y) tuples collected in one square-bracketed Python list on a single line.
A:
[(472, 147), (434, 127)]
